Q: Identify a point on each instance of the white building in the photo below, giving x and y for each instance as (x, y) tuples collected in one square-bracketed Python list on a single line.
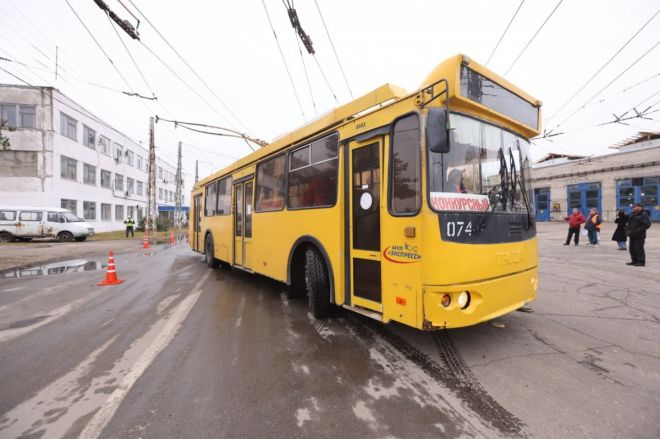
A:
[(607, 182), (62, 155)]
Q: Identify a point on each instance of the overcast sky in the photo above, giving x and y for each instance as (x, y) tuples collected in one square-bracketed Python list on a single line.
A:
[(230, 44)]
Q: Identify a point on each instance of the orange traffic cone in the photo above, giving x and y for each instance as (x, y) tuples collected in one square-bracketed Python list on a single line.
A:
[(111, 273), (145, 242), (171, 238)]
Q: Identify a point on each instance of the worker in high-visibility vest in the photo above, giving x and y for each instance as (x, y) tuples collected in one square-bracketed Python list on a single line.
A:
[(130, 224)]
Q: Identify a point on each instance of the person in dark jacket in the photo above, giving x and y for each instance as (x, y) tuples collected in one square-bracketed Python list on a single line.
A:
[(637, 224), (620, 232), (574, 221)]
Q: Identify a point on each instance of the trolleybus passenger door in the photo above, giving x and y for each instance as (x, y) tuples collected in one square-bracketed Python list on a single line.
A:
[(197, 221), (364, 205), (243, 224)]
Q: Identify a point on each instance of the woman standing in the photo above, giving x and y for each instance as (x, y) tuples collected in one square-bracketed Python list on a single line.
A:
[(620, 232), (593, 227)]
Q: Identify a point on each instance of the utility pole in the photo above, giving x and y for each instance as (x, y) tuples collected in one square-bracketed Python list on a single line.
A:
[(196, 171), (179, 183), (150, 222)]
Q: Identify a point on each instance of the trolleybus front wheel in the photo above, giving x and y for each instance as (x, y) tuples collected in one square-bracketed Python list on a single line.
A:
[(209, 254), (318, 284)]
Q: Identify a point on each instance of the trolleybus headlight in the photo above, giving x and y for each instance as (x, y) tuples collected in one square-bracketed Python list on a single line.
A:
[(446, 300), (463, 300)]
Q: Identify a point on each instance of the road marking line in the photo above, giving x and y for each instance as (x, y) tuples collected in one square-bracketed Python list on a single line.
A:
[(101, 419)]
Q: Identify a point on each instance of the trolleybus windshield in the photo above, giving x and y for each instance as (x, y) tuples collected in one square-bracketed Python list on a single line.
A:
[(486, 168)]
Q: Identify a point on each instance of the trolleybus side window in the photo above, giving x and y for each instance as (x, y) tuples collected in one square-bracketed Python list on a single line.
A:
[(224, 197), (313, 174), (210, 201), (405, 167), (270, 184)]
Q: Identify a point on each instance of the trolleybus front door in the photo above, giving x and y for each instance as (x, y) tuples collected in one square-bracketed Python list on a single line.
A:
[(243, 224), (365, 195)]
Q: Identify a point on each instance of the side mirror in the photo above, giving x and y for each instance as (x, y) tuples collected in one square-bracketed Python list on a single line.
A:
[(437, 134)]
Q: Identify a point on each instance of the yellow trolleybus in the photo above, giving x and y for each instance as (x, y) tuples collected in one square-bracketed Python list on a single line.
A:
[(408, 207)]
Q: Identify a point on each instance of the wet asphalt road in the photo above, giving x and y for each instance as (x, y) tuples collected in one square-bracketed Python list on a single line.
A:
[(180, 351)]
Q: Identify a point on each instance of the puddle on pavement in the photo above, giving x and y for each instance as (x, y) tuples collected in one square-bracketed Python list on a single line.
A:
[(61, 267)]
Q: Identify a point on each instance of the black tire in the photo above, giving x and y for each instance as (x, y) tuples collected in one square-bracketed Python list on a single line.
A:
[(65, 237), (318, 284), (209, 255), (6, 237), (81, 238)]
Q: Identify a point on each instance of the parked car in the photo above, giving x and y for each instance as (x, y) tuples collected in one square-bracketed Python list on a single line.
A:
[(25, 223)]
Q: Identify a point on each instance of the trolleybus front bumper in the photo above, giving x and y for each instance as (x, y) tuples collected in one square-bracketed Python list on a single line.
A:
[(458, 305)]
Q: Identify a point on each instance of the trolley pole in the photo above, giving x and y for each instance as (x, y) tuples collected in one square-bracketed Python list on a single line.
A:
[(150, 223), (179, 183)]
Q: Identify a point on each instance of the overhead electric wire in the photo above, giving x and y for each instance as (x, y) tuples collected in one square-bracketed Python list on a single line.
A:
[(326, 79), (503, 33), (286, 66), (350, 92), (100, 46), (189, 67), (603, 67), (309, 84), (606, 86), (112, 25), (533, 37)]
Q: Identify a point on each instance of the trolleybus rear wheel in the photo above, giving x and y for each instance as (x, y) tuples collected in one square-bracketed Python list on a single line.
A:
[(318, 285)]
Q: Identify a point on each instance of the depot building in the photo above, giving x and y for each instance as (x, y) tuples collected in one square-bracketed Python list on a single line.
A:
[(607, 182)]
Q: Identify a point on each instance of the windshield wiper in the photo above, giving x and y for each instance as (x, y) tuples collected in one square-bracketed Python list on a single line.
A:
[(502, 195), (521, 181)]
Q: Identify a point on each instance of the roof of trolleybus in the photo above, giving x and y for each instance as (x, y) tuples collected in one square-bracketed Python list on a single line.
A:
[(452, 70)]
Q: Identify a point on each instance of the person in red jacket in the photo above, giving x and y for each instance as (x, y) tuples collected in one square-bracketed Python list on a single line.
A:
[(575, 220)]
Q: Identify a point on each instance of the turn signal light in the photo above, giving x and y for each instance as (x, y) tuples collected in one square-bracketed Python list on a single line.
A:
[(446, 300)]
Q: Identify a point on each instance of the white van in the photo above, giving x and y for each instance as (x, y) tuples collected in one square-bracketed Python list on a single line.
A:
[(25, 223)]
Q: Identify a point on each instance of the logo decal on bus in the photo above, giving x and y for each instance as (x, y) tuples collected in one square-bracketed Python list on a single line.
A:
[(402, 254)]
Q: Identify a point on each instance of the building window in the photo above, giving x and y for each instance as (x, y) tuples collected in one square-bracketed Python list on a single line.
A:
[(89, 137), (119, 213), (117, 152), (129, 157), (313, 174), (89, 210), (68, 168), (160, 172), (8, 115), (71, 205), (130, 185), (106, 179), (18, 116), (106, 212), (131, 211), (27, 116), (104, 145), (119, 182), (89, 174), (160, 193), (139, 162), (140, 188), (68, 126), (405, 171)]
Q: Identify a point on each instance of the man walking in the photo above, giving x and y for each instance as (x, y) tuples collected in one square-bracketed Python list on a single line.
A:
[(130, 224), (574, 221), (593, 227), (637, 224)]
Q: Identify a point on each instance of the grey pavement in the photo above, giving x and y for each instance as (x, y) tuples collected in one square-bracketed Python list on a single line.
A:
[(180, 351)]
